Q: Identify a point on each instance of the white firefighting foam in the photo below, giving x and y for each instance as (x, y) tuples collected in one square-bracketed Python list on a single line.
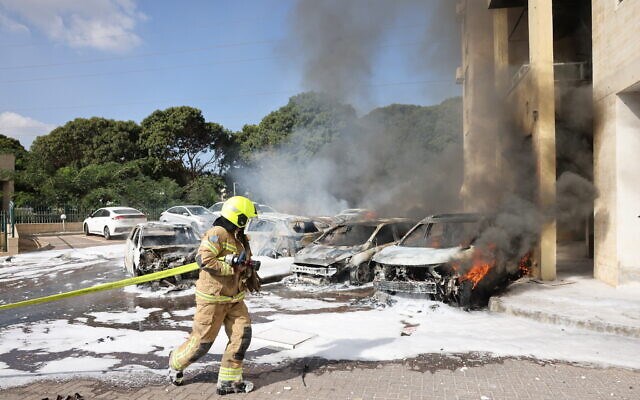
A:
[(373, 334)]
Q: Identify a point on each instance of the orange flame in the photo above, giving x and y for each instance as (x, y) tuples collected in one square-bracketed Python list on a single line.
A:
[(481, 266), (525, 264)]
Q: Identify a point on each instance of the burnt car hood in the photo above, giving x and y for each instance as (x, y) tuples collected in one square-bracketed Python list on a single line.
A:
[(171, 247), (415, 256), (326, 255)]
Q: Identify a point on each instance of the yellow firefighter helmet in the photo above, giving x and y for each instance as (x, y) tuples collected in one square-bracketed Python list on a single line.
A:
[(238, 210)]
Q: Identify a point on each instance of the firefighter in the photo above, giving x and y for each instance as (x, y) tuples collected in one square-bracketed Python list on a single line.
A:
[(220, 290)]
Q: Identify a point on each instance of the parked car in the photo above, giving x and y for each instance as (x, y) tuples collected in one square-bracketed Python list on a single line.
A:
[(354, 214), (200, 218), (156, 246), (344, 251), (264, 209), (112, 221), (281, 235), (432, 258), (216, 208)]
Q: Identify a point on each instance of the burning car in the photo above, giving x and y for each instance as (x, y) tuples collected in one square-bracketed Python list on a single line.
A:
[(156, 246), (281, 235), (438, 258), (344, 251)]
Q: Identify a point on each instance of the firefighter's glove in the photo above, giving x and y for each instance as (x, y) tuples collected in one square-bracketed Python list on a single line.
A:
[(253, 281)]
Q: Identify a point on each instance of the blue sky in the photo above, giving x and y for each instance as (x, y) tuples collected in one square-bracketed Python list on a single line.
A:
[(123, 59)]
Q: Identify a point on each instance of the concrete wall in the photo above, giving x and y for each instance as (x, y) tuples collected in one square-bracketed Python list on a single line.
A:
[(31, 229), (479, 106), (616, 75), (628, 180)]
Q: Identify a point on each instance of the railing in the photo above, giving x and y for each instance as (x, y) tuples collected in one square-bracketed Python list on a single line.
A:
[(562, 72), (49, 215)]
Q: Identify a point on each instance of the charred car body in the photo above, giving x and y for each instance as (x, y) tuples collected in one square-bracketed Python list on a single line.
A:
[(438, 258), (156, 246), (344, 251), (282, 235)]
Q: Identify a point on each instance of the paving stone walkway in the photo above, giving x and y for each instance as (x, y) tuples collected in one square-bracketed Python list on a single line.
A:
[(427, 377)]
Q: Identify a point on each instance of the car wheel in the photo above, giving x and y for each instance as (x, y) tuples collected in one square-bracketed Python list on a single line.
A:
[(85, 229), (360, 274), (106, 233)]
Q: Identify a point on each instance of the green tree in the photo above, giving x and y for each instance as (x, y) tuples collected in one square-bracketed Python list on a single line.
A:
[(309, 120), (82, 142), (179, 137), (205, 190)]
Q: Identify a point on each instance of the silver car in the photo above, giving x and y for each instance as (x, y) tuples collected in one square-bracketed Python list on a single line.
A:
[(198, 217), (344, 251), (155, 246), (281, 235)]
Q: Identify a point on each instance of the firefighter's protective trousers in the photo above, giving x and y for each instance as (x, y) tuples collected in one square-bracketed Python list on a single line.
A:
[(207, 321)]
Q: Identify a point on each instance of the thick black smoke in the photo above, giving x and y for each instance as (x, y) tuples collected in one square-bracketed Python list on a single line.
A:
[(369, 163)]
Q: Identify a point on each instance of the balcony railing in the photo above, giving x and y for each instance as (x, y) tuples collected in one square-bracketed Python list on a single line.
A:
[(562, 72)]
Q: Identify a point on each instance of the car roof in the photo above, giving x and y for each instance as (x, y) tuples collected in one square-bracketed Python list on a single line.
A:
[(375, 222), (158, 224), (282, 217), (454, 217), (118, 208)]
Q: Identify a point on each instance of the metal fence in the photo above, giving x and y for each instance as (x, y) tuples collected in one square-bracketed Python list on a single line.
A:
[(44, 215)]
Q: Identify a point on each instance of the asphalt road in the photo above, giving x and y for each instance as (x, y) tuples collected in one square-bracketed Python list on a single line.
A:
[(75, 241)]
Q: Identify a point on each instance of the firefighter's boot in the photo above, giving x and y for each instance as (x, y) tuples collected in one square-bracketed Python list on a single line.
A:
[(175, 376), (230, 387)]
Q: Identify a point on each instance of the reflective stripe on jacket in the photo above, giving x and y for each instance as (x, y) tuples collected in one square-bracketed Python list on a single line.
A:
[(217, 281)]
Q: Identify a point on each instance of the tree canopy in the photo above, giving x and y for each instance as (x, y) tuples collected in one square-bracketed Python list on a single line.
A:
[(176, 155)]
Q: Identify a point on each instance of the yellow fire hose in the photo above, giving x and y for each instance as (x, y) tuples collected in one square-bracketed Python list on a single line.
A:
[(105, 286)]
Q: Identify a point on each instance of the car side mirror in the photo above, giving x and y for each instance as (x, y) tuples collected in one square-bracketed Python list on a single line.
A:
[(185, 214)]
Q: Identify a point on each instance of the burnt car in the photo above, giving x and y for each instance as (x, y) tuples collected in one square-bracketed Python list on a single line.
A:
[(281, 235), (156, 246), (438, 258), (343, 252)]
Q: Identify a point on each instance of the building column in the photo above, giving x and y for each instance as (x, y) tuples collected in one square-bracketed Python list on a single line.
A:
[(501, 81), (544, 131)]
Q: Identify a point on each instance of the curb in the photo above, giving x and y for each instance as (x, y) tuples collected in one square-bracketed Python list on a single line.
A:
[(497, 305), (68, 233)]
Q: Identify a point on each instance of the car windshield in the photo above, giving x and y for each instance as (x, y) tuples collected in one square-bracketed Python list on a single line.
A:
[(126, 211), (216, 207), (348, 235), (261, 208), (168, 236), (442, 235), (199, 210)]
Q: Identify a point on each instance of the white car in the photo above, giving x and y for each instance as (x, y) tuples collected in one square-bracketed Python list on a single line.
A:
[(216, 209), (156, 246), (112, 221), (198, 217)]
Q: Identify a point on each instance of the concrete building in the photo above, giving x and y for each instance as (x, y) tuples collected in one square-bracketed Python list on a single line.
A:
[(556, 83)]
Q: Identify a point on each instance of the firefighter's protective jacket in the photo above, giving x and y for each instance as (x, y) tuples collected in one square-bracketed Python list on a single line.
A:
[(218, 282)]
